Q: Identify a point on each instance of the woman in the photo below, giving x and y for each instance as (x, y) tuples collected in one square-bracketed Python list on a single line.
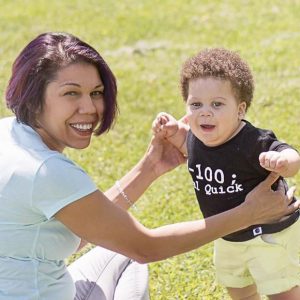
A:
[(61, 92)]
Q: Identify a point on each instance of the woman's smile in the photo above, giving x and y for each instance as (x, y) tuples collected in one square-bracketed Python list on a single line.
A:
[(83, 129)]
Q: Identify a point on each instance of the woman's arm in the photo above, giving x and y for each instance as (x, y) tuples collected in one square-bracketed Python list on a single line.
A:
[(97, 220), (160, 157)]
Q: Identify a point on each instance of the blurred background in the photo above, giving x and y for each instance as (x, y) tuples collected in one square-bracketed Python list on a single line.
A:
[(145, 43)]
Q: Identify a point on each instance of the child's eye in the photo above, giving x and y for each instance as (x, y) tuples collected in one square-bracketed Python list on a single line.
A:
[(217, 104), (196, 105)]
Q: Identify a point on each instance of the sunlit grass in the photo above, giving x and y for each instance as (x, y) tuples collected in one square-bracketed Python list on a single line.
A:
[(145, 42)]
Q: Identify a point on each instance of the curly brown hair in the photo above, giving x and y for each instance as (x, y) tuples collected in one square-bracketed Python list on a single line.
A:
[(223, 64)]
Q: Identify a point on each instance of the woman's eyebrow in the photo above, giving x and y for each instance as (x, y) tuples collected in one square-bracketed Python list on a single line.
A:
[(69, 83), (99, 86), (78, 85)]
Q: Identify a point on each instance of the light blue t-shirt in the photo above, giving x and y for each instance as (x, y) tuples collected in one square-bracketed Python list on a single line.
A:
[(35, 183)]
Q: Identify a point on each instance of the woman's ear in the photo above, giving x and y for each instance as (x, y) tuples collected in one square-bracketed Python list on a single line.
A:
[(242, 110)]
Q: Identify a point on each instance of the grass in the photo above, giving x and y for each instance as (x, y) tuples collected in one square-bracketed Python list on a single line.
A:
[(145, 42)]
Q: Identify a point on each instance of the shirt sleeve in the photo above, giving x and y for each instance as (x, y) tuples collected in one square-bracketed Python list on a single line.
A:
[(59, 182), (270, 142)]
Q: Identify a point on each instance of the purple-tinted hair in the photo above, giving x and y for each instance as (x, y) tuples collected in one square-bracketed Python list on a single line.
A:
[(38, 64)]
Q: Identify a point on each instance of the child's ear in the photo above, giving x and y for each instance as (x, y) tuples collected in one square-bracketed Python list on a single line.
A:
[(242, 110)]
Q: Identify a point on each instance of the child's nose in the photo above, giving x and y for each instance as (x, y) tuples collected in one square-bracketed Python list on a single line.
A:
[(205, 111)]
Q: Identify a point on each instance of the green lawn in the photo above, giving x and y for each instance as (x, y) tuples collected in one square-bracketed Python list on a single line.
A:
[(145, 42)]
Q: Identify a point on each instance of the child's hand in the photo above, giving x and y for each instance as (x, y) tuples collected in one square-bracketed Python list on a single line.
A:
[(274, 161), (165, 124)]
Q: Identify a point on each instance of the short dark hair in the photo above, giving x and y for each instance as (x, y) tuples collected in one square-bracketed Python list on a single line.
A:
[(223, 64), (38, 64)]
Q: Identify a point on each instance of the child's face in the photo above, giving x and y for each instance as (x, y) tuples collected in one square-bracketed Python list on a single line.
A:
[(214, 114)]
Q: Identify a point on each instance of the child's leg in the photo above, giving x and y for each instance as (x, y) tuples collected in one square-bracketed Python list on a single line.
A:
[(247, 293), (293, 294), (232, 271), (98, 273), (275, 264), (272, 261)]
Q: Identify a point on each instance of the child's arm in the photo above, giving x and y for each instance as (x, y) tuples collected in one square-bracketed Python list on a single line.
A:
[(174, 131), (286, 163)]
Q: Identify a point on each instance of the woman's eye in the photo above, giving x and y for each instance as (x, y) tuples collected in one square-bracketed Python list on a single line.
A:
[(71, 93), (97, 94)]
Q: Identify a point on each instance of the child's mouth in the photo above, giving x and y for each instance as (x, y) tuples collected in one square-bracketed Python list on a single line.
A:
[(207, 127)]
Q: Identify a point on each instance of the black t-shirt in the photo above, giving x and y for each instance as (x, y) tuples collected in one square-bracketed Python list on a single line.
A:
[(225, 174)]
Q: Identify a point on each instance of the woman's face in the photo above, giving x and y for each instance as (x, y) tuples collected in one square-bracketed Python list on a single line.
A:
[(73, 107)]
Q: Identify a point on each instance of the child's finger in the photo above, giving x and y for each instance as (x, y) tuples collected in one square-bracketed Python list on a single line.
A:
[(262, 157)]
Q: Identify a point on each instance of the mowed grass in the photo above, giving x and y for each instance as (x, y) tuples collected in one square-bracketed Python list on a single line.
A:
[(145, 43)]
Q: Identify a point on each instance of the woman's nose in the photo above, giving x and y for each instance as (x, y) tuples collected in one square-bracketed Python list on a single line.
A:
[(87, 105)]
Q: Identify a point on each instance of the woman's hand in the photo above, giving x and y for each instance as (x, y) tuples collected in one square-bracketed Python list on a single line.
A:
[(163, 155), (266, 205)]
